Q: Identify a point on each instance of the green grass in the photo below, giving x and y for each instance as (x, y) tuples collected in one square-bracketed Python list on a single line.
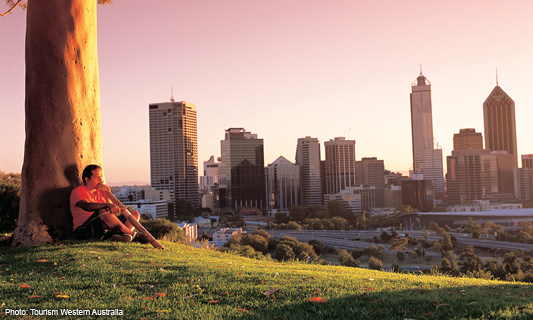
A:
[(182, 282)]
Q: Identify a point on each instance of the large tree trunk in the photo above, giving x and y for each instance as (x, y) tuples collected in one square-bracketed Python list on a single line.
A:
[(63, 128)]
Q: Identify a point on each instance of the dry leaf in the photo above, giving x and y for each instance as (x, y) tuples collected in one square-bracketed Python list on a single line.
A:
[(62, 296), (442, 304), (269, 292), (148, 298), (31, 297), (244, 310), (160, 294), (368, 288), (318, 300), (42, 260), (213, 301), (24, 286)]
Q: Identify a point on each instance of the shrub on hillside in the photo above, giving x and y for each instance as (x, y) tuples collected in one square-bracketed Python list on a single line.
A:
[(9, 206), (375, 263), (346, 259), (163, 229)]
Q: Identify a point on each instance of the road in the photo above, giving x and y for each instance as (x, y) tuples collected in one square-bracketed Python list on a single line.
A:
[(356, 239)]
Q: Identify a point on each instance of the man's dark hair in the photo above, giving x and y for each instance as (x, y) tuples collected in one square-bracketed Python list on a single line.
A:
[(88, 172)]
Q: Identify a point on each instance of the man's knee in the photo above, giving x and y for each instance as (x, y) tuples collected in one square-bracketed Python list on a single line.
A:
[(135, 214)]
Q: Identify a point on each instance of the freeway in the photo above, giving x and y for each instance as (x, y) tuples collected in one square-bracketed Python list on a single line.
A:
[(360, 239)]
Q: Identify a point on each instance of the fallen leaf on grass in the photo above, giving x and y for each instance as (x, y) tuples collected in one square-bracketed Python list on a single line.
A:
[(62, 296), (160, 295), (318, 300), (42, 261), (213, 301), (31, 297), (367, 288), (243, 310), (24, 286), (269, 292), (442, 304), (148, 298)]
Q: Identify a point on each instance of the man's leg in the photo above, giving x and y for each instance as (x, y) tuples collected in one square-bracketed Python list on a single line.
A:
[(115, 224)]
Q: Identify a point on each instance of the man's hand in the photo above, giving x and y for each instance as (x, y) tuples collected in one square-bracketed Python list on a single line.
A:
[(113, 208)]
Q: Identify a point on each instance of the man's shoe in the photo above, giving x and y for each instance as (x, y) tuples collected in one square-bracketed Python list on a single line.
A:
[(122, 237)]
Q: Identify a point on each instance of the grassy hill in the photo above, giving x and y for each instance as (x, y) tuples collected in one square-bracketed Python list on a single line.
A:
[(181, 282)]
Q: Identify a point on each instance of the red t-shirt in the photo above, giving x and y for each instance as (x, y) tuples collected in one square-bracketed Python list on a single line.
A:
[(79, 216)]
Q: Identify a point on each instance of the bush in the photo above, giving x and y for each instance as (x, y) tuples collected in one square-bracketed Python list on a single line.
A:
[(318, 246), (9, 206), (163, 229), (375, 264), (346, 259)]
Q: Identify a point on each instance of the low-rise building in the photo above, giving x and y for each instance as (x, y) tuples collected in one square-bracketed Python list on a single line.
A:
[(157, 209), (191, 230), (223, 235)]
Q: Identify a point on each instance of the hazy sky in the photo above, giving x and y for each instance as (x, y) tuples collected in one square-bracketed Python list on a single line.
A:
[(286, 69)]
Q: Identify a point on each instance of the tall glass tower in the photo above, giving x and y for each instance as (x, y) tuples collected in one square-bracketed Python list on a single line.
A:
[(174, 149), (308, 158), (427, 155), (241, 172)]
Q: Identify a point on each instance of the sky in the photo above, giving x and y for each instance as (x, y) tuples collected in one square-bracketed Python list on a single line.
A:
[(289, 69)]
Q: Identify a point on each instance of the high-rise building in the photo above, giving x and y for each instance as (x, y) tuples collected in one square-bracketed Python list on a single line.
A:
[(427, 155), (523, 179), (241, 171), (340, 164), (371, 172), (174, 149), (418, 193), (467, 139), (472, 175), (282, 185), (308, 158), (500, 123), (527, 161), (210, 177)]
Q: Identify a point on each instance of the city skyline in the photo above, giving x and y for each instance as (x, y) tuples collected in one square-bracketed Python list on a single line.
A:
[(290, 70)]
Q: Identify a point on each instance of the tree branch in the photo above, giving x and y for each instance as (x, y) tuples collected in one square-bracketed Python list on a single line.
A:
[(10, 10)]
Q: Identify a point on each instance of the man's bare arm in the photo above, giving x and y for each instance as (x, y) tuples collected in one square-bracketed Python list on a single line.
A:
[(93, 206)]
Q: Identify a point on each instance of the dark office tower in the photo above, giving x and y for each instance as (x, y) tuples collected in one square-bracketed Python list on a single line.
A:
[(371, 172), (500, 123), (418, 194), (340, 164), (467, 139), (308, 158), (241, 171), (174, 149), (427, 156)]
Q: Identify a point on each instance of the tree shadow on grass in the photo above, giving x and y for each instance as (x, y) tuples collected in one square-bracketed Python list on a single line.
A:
[(507, 301)]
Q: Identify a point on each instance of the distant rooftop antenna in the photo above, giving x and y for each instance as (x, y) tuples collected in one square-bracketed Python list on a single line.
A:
[(496, 76), (420, 69), (172, 93)]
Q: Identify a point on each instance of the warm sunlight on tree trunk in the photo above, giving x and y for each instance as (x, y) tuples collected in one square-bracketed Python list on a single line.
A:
[(63, 128)]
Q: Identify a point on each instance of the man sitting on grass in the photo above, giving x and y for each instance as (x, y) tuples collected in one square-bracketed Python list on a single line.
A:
[(94, 215)]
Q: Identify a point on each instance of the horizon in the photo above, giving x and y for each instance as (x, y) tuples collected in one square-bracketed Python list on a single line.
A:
[(289, 70)]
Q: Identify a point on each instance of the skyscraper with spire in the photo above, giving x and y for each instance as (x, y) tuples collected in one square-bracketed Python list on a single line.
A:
[(427, 155), (500, 123)]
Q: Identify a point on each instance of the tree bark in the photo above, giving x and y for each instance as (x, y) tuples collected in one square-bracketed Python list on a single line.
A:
[(63, 126)]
